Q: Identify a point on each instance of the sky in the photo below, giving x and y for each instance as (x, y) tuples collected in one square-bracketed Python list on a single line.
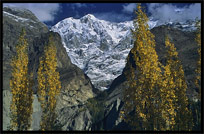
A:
[(51, 13)]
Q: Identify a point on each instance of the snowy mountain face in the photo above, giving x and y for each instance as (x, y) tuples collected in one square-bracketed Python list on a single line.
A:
[(184, 26), (98, 47)]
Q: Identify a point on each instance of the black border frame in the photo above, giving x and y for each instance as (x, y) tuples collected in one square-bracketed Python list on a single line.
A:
[(102, 1)]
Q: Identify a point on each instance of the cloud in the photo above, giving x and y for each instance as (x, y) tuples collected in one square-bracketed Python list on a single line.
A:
[(112, 16), (170, 12), (45, 12), (129, 8)]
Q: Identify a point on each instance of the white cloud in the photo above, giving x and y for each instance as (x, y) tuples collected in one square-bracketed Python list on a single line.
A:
[(129, 8), (112, 16), (44, 11), (170, 12)]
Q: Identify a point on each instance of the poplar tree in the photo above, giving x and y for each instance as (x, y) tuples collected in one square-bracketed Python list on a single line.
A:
[(196, 106), (129, 113), (143, 95), (183, 118), (48, 85), (21, 87), (168, 96), (198, 70)]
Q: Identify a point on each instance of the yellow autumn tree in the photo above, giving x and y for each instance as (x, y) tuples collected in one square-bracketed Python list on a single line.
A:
[(183, 118), (143, 95), (196, 105), (49, 85), (198, 70), (21, 87), (128, 113), (168, 96)]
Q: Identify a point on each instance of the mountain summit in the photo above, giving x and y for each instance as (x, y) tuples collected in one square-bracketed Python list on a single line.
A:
[(98, 47)]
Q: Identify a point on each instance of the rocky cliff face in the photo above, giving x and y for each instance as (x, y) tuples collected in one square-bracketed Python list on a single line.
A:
[(76, 87), (13, 21)]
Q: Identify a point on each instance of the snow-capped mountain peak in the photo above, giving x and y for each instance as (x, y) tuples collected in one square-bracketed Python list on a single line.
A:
[(97, 46), (89, 16)]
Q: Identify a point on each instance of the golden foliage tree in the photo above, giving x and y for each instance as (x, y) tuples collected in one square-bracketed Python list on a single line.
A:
[(143, 94), (48, 85), (196, 105), (198, 70), (168, 96), (21, 87), (183, 118)]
